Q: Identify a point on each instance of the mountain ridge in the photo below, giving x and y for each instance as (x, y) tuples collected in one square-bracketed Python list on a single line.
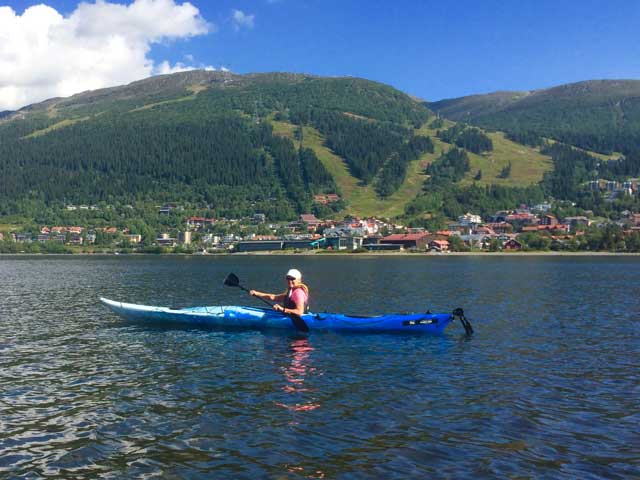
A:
[(598, 115), (211, 138)]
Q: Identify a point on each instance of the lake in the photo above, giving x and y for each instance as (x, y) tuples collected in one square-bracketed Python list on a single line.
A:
[(547, 387)]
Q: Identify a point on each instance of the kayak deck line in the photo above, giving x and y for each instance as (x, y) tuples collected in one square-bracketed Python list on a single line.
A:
[(255, 318)]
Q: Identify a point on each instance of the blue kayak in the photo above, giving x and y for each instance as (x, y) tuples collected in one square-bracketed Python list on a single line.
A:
[(236, 317)]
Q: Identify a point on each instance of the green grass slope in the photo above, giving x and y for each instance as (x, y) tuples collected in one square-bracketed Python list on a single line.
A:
[(528, 168), (361, 200), (528, 165)]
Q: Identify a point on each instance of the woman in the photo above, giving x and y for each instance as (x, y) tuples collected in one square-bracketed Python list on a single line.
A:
[(295, 300)]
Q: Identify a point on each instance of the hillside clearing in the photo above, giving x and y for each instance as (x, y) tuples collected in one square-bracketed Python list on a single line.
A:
[(361, 199), (56, 126), (528, 165)]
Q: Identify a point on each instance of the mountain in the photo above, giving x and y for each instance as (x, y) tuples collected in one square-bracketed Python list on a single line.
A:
[(207, 138), (599, 115), (232, 145)]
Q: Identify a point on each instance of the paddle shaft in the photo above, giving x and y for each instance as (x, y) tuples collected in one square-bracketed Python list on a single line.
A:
[(259, 298)]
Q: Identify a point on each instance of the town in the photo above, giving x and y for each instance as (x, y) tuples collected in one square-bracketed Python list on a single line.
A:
[(528, 228)]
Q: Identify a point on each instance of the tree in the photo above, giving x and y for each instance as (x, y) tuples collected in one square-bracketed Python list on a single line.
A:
[(506, 171), (456, 244)]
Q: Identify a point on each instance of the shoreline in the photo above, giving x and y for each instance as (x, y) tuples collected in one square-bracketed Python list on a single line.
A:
[(334, 254)]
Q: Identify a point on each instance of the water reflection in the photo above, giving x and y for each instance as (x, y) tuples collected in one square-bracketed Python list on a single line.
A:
[(296, 373)]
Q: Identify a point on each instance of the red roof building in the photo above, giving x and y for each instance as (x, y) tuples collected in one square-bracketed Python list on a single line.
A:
[(485, 230), (512, 245), (500, 227), (408, 240), (439, 245)]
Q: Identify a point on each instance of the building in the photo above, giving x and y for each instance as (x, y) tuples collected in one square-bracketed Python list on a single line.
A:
[(259, 218), (344, 238), (166, 208), (542, 207), (523, 218), (326, 198), (577, 221), (371, 240), (541, 228), (469, 220), (512, 244), (408, 240), (164, 240), (485, 230), (210, 239), (184, 237), (549, 220), (23, 237), (199, 222), (439, 245), (344, 243), (500, 227), (476, 240), (76, 239), (310, 220), (300, 244), (134, 239), (383, 247), (260, 245)]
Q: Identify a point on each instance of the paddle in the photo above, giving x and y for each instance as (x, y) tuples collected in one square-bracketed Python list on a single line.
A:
[(458, 312), (232, 280)]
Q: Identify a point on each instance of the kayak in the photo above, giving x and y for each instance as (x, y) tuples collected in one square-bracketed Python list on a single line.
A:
[(253, 318)]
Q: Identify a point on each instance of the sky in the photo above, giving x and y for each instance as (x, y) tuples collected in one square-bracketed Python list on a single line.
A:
[(428, 49)]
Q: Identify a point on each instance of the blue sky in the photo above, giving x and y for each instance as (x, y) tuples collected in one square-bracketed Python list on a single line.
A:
[(430, 49)]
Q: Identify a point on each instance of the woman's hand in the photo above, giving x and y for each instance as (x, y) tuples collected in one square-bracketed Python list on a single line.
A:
[(252, 293), (278, 308)]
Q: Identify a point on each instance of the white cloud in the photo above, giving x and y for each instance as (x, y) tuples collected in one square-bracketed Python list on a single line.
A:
[(101, 44), (241, 20), (165, 67)]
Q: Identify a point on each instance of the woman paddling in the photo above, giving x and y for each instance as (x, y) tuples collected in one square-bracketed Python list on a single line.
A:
[(295, 300)]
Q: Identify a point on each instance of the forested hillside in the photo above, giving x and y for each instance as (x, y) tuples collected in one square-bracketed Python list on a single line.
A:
[(206, 138), (603, 115), (235, 145)]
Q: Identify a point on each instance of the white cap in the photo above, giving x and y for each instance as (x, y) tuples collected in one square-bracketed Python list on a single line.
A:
[(294, 274)]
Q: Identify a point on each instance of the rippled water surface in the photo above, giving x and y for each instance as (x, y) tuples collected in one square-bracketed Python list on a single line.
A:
[(548, 387)]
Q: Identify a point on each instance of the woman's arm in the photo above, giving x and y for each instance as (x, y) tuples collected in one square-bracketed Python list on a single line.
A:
[(268, 296), (299, 310)]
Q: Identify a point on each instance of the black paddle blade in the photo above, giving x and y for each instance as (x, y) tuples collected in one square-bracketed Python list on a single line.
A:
[(232, 280), (299, 323)]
